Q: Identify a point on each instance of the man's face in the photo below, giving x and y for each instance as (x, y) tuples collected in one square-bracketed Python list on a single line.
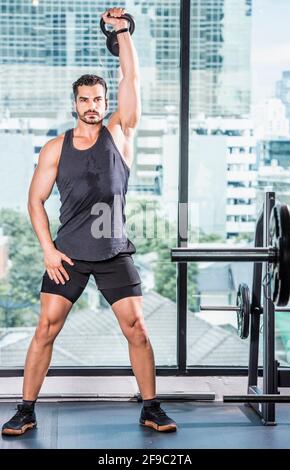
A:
[(90, 104)]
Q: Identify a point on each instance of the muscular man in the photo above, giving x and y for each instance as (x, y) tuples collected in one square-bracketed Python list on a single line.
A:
[(90, 165)]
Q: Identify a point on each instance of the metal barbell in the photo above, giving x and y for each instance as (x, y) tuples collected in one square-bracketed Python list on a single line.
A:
[(277, 254), (243, 309)]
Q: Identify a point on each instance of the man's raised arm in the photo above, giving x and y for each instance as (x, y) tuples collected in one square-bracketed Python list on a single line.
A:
[(129, 100)]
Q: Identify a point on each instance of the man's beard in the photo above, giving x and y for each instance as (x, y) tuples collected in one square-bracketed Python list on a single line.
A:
[(90, 119)]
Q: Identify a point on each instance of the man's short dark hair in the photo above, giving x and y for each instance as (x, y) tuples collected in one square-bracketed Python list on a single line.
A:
[(89, 80)]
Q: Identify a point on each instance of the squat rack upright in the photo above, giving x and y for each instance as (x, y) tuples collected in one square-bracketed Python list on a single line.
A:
[(264, 256)]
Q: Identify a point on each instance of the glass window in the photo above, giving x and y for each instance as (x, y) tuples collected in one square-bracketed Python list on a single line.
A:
[(238, 148), (37, 71), (243, 108)]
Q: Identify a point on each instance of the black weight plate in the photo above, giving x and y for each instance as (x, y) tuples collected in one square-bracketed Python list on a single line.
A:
[(274, 232), (243, 314), (284, 257), (280, 239)]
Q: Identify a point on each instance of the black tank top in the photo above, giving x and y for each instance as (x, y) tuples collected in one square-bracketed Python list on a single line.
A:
[(92, 184)]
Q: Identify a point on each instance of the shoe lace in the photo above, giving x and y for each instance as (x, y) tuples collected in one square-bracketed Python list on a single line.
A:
[(158, 411), (20, 412)]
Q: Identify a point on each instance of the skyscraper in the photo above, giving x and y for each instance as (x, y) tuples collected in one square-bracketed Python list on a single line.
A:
[(46, 45), (220, 57)]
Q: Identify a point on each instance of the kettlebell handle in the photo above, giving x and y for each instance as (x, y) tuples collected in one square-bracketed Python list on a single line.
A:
[(126, 16)]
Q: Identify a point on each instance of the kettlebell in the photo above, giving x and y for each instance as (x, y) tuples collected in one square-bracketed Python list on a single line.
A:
[(112, 40)]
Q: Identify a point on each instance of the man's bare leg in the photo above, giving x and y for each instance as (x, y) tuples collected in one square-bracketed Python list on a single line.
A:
[(130, 317), (54, 311), (129, 314)]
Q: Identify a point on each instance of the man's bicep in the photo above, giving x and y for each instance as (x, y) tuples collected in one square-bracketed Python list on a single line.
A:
[(44, 175)]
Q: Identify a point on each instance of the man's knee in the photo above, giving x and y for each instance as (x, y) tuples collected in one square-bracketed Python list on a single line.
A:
[(54, 310), (46, 332), (137, 334)]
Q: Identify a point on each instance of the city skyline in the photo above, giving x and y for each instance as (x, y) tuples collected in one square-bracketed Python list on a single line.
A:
[(270, 45), (49, 47), (270, 52)]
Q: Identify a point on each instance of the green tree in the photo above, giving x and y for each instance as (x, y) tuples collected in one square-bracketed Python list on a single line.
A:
[(26, 270)]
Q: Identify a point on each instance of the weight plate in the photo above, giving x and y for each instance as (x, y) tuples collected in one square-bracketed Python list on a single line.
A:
[(280, 240), (243, 314)]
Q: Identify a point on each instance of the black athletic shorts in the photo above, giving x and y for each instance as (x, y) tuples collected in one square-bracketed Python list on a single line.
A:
[(115, 277)]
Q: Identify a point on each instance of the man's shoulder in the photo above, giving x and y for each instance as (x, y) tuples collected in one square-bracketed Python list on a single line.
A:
[(51, 150), (58, 139), (56, 142)]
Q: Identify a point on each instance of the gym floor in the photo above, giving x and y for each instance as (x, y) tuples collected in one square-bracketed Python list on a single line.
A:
[(114, 425)]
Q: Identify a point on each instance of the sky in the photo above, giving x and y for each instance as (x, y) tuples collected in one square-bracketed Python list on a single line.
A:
[(270, 52)]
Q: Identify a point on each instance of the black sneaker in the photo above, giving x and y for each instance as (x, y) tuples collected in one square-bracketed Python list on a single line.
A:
[(154, 417), (23, 420)]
